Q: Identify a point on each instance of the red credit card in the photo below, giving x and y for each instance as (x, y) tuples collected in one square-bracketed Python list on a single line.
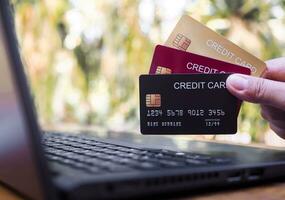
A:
[(172, 61)]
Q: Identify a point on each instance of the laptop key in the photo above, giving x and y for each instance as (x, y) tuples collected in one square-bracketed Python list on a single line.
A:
[(92, 160), (118, 168), (170, 163), (78, 165), (94, 169), (97, 154), (111, 157), (54, 158), (199, 157), (196, 162), (147, 165), (220, 160)]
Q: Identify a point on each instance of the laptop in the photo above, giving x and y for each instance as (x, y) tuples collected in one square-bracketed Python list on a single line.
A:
[(57, 165)]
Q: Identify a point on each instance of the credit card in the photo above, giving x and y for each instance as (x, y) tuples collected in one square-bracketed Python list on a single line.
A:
[(168, 60), (186, 104), (192, 36)]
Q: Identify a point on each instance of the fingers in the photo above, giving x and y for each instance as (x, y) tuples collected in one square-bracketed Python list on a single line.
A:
[(273, 116), (279, 131), (276, 119), (269, 91), (257, 90), (271, 113), (275, 69)]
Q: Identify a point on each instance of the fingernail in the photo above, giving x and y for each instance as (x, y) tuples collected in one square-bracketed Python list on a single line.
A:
[(238, 82)]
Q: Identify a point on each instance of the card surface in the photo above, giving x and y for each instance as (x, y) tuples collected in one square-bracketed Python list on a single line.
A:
[(169, 60), (192, 36), (186, 104)]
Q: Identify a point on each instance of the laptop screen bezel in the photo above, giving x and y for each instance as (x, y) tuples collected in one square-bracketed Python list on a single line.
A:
[(47, 189)]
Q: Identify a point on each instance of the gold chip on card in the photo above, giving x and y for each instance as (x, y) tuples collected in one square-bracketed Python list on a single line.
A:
[(181, 42), (163, 70), (153, 100)]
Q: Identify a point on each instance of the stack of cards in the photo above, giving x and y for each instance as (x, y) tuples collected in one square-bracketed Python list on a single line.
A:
[(192, 48)]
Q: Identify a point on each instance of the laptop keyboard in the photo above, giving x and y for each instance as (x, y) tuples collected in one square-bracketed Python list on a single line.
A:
[(93, 156)]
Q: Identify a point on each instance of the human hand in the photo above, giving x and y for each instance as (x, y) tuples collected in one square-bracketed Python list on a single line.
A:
[(268, 91)]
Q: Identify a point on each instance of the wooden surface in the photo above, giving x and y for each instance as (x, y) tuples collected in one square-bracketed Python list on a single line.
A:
[(7, 194), (266, 192)]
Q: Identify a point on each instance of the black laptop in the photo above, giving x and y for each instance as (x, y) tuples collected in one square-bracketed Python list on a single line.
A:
[(111, 165)]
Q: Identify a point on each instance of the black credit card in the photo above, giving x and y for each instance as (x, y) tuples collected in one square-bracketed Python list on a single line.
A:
[(187, 104)]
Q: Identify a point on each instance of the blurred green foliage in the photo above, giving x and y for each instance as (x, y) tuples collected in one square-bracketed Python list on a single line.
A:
[(84, 57)]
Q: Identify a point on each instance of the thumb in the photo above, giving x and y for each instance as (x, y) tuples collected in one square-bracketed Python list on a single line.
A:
[(257, 90)]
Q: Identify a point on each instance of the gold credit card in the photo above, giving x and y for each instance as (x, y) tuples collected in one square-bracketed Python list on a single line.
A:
[(192, 36)]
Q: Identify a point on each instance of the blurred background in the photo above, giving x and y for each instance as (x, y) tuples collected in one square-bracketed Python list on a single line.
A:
[(83, 58)]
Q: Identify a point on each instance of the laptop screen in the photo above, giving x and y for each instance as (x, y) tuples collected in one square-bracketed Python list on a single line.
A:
[(17, 160)]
